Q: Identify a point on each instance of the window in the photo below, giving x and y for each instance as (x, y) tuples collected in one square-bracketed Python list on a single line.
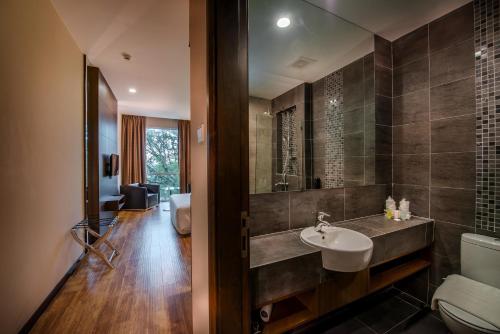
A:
[(162, 160)]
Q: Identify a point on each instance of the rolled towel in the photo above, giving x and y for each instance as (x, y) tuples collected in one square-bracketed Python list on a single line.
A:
[(265, 312)]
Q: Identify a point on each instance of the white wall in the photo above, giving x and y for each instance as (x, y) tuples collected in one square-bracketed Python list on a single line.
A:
[(199, 176), (41, 150)]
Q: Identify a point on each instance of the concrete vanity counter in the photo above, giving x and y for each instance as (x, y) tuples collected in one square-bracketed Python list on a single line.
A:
[(282, 265)]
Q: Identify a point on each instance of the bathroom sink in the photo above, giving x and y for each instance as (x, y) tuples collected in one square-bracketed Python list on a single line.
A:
[(342, 249)]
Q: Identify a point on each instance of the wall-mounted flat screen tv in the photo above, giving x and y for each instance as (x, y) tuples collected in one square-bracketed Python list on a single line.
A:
[(114, 164)]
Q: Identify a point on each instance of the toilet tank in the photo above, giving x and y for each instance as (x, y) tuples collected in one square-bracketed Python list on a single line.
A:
[(480, 258)]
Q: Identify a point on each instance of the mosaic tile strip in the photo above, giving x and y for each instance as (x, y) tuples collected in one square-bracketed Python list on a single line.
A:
[(288, 133), (487, 71), (334, 146)]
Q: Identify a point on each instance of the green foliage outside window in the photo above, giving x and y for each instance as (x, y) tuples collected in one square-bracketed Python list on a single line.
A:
[(162, 160)]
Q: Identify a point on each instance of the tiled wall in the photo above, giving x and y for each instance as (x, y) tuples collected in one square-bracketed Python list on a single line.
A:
[(434, 133), (383, 111), (298, 97), (487, 52), (343, 126), (281, 211), (333, 116), (287, 142), (370, 93), (435, 79)]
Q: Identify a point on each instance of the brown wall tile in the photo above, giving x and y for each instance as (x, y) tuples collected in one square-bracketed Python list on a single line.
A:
[(447, 238), (411, 138), (354, 169), (411, 77), (412, 169), (354, 120), (405, 241), (452, 28), (304, 206), (365, 201), (383, 52), (353, 89), (285, 278), (442, 266), (411, 46), (383, 81), (453, 99), (383, 110), (446, 250), (318, 89), (269, 213), (453, 205), (453, 63), (455, 134), (411, 108), (383, 169), (383, 139), (455, 170), (417, 195), (354, 144)]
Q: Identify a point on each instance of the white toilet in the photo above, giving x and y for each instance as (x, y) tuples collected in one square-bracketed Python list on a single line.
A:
[(480, 261)]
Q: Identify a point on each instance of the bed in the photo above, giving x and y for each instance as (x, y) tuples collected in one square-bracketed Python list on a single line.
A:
[(180, 213)]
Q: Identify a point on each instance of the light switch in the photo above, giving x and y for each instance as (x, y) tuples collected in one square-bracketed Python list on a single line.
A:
[(200, 132)]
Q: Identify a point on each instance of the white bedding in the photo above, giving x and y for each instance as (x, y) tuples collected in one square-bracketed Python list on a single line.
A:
[(180, 212)]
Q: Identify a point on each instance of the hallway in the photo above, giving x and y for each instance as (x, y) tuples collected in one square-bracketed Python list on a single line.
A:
[(149, 291)]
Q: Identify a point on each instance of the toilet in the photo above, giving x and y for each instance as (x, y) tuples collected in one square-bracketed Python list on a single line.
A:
[(480, 262)]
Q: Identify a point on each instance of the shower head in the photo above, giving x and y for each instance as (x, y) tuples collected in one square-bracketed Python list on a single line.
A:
[(268, 113)]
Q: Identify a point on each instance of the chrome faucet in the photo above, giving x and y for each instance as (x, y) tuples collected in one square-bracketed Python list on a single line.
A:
[(320, 222)]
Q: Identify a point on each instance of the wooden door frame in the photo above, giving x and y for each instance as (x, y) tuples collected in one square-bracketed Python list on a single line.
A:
[(228, 187)]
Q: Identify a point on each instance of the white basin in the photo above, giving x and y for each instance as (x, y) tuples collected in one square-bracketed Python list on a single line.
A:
[(342, 249)]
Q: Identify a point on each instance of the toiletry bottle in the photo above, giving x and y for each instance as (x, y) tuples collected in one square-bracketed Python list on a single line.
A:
[(390, 207), (404, 207)]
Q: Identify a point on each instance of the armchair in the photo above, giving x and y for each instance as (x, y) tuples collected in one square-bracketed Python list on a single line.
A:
[(140, 196)]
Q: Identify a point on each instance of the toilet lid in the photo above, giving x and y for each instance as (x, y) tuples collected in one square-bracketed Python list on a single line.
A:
[(467, 318)]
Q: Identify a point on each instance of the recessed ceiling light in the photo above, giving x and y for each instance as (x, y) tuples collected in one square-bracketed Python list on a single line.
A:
[(132, 90), (126, 56), (283, 22)]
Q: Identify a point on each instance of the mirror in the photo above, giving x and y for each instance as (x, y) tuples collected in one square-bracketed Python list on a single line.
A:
[(311, 108)]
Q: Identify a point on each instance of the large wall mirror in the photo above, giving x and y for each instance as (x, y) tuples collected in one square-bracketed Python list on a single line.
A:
[(311, 109)]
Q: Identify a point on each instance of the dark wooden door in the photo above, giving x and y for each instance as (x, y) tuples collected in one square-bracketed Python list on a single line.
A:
[(228, 165)]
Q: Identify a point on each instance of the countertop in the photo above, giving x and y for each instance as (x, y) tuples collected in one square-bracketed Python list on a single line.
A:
[(275, 247)]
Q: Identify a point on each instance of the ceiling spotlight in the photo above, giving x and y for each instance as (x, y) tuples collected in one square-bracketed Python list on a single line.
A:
[(132, 90), (283, 22)]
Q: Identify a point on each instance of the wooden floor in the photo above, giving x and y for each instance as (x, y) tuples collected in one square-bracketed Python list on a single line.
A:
[(148, 292)]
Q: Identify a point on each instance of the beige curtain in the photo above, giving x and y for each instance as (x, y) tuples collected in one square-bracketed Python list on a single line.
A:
[(133, 149), (184, 155)]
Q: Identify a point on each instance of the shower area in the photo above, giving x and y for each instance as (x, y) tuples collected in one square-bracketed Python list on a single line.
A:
[(286, 148), (279, 142), (260, 137)]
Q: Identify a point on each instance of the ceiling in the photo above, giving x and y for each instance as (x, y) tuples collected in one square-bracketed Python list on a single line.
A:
[(390, 19), (154, 32), (322, 40), (328, 33)]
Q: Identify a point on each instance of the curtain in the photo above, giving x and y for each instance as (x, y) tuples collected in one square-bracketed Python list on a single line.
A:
[(184, 155), (133, 149)]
